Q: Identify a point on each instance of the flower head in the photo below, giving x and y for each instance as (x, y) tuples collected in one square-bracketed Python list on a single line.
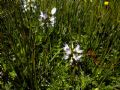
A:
[(51, 19), (74, 54)]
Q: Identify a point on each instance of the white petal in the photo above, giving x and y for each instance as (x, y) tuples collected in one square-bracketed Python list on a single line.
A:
[(67, 49), (35, 7), (66, 57), (77, 49), (43, 15), (53, 11), (25, 6), (68, 52), (52, 19), (77, 57)]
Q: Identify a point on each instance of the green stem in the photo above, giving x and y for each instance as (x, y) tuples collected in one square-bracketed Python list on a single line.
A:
[(34, 69)]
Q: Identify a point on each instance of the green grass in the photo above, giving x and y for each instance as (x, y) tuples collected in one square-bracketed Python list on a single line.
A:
[(31, 55)]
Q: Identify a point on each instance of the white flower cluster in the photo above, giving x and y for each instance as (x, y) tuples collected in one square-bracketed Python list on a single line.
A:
[(28, 4), (51, 19), (73, 54)]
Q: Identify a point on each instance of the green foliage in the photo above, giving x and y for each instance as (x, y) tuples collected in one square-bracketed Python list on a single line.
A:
[(31, 55)]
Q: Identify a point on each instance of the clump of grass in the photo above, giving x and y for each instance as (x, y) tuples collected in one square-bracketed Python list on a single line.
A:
[(31, 56)]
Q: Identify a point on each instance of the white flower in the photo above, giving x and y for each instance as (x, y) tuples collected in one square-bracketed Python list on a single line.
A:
[(53, 11), (76, 57), (77, 49), (52, 18), (67, 49), (43, 15), (28, 4)]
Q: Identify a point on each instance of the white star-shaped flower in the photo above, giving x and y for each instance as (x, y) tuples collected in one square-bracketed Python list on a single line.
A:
[(73, 54)]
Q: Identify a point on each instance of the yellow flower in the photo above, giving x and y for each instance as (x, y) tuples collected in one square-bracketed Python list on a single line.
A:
[(106, 3)]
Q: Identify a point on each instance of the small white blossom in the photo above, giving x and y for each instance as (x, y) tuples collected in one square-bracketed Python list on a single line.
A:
[(53, 11), (76, 54), (51, 19), (27, 4)]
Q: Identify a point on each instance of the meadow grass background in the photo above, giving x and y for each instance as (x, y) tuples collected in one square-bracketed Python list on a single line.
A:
[(31, 55)]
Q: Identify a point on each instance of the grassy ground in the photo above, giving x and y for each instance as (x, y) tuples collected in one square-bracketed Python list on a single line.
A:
[(31, 49)]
